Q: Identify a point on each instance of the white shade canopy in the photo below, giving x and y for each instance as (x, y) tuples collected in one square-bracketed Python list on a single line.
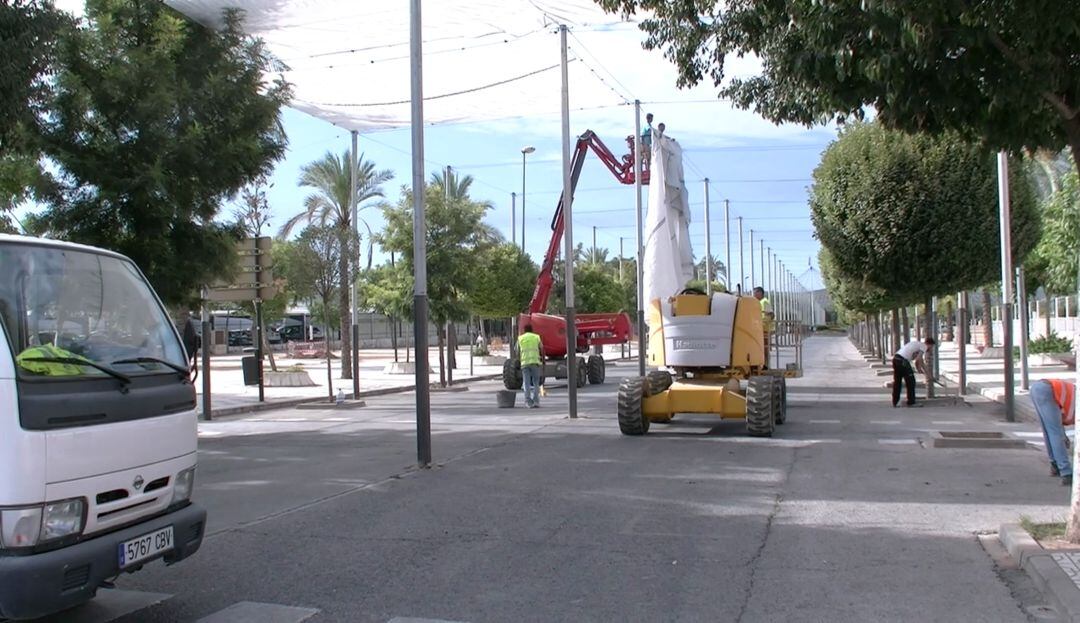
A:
[(349, 61)]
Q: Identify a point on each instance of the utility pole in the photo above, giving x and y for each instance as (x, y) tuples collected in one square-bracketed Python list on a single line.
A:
[(708, 244), (742, 268)]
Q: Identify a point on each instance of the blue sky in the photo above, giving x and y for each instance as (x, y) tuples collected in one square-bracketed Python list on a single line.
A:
[(764, 174), (763, 169)]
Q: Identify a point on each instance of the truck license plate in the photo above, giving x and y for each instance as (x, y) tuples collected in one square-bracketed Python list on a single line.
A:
[(146, 546)]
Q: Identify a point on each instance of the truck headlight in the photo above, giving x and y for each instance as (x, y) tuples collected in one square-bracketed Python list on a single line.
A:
[(182, 486), (20, 527), (33, 525), (61, 519)]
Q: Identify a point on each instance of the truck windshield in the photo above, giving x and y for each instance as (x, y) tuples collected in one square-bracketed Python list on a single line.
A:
[(62, 306)]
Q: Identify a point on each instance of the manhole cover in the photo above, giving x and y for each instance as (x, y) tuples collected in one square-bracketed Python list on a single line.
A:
[(976, 439)]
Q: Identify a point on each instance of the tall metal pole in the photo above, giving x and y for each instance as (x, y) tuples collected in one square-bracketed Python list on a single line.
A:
[(1022, 308), (961, 346), (1006, 284), (444, 329), (761, 247), (742, 266), (420, 300), (207, 344), (753, 280), (620, 258), (513, 221), (708, 243), (727, 245), (594, 244), (568, 221), (522, 199), (354, 263), (640, 240), (813, 312)]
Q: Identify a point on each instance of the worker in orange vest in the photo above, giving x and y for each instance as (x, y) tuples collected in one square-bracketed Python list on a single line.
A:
[(1055, 402)]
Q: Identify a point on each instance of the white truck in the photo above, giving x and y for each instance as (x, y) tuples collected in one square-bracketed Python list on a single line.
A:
[(98, 428)]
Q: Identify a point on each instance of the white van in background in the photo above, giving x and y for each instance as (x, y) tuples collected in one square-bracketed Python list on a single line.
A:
[(97, 427)]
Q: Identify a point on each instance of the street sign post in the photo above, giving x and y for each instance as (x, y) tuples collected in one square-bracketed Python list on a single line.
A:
[(254, 281)]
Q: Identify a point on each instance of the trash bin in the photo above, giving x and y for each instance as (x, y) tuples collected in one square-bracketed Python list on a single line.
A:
[(505, 398), (250, 366)]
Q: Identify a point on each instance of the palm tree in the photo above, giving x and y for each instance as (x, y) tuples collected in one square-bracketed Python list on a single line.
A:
[(328, 204), (459, 186)]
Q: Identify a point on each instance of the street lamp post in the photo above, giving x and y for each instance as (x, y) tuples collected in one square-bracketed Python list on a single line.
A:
[(528, 149)]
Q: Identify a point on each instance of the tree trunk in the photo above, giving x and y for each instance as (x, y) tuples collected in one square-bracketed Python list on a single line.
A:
[(895, 330), (949, 335), (988, 320), (326, 337), (1047, 311), (344, 309), (393, 336), (451, 354), (266, 349), (928, 361), (907, 324), (918, 324), (442, 355)]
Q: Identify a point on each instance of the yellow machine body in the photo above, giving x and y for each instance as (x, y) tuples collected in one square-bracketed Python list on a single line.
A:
[(724, 339), (726, 336)]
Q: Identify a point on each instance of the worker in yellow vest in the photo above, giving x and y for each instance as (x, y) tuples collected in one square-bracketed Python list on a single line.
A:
[(768, 319), (530, 353)]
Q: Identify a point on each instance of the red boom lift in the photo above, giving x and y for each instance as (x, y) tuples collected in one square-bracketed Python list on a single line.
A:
[(592, 329)]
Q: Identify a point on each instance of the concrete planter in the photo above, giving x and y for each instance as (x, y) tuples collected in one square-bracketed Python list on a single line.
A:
[(287, 379), (491, 360), (402, 367), (1047, 359)]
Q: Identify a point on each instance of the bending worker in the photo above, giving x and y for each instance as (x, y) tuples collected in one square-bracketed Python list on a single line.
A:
[(1055, 402), (911, 353)]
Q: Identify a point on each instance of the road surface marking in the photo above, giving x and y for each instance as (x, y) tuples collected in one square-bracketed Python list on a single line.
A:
[(945, 422), (898, 442), (824, 421), (885, 422), (254, 612)]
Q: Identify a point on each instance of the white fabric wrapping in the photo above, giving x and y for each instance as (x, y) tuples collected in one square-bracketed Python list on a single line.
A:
[(348, 60), (669, 258)]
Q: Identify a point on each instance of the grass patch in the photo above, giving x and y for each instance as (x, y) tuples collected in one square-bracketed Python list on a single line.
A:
[(1043, 531)]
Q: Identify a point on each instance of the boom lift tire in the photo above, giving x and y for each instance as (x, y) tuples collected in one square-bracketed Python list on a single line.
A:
[(760, 406), (597, 369), (511, 375), (632, 420), (657, 382), (582, 372), (780, 399)]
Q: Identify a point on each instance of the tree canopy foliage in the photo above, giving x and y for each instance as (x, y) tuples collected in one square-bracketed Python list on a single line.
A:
[(903, 217), (456, 237), (1054, 261), (153, 121), (1003, 71), (504, 283)]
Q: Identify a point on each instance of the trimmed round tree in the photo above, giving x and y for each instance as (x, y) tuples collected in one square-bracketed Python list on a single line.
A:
[(913, 216)]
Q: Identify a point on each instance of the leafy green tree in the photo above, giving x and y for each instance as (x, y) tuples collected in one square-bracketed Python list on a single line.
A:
[(388, 290), (328, 205), (597, 290), (311, 267), (505, 280), (153, 121), (455, 236), (1005, 72), (906, 216), (1054, 261), (30, 30)]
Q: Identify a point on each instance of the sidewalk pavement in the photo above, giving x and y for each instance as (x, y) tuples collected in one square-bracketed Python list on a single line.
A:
[(229, 395)]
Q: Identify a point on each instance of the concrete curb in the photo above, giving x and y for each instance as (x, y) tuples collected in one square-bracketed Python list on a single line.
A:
[(1044, 571), (293, 402), (1054, 584), (1018, 542)]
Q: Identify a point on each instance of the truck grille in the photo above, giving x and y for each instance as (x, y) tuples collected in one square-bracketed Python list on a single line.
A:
[(75, 578)]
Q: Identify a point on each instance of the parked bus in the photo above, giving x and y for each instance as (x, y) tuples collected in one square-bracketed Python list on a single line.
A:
[(97, 427)]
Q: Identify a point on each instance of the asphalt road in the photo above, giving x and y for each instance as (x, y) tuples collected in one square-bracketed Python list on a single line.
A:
[(847, 514)]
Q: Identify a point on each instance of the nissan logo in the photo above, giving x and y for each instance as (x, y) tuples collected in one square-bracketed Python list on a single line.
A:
[(138, 483)]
